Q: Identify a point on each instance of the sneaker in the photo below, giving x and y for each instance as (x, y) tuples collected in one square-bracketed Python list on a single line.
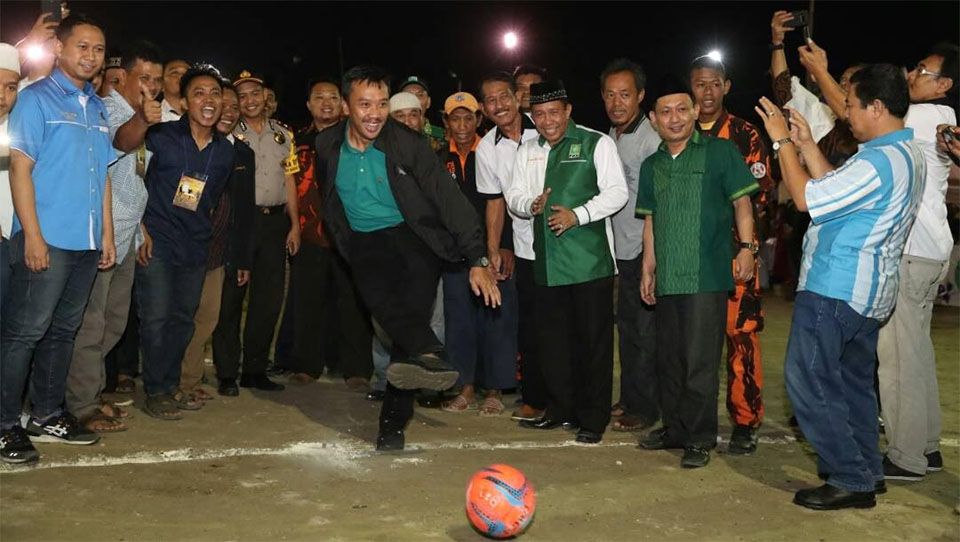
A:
[(427, 371), (64, 429), (892, 472), (695, 457), (743, 440), (15, 446), (934, 461)]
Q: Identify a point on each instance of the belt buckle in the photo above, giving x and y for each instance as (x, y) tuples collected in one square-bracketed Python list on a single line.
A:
[(265, 210)]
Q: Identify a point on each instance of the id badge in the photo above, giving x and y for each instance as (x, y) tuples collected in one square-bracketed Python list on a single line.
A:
[(189, 191)]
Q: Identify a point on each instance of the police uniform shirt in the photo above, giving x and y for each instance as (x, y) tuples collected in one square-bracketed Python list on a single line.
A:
[(276, 157)]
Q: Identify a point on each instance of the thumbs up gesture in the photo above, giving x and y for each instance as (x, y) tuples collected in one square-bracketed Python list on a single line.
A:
[(149, 107)]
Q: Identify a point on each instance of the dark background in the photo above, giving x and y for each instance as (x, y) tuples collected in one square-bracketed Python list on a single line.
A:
[(456, 42)]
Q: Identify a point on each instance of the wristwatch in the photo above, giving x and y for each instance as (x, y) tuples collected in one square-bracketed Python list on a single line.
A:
[(780, 143), (482, 261), (752, 247), (776, 46)]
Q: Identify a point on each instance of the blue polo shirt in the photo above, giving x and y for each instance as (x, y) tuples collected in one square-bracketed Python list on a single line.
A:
[(364, 189), (64, 130), (182, 236)]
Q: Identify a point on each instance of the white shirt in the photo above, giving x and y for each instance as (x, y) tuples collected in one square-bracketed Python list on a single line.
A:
[(930, 237), (167, 112), (529, 174), (495, 156), (6, 199)]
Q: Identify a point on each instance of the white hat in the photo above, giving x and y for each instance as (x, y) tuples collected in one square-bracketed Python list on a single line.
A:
[(9, 58), (404, 100)]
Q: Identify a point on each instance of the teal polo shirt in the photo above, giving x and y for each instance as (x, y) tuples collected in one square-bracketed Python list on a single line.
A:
[(364, 189)]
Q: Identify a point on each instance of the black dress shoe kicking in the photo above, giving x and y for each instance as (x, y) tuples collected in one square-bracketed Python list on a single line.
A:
[(827, 497), (589, 437), (549, 423), (390, 442), (228, 388), (260, 382), (427, 371)]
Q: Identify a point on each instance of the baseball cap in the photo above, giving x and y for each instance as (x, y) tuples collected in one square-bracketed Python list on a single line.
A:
[(461, 99), (414, 80), (404, 100)]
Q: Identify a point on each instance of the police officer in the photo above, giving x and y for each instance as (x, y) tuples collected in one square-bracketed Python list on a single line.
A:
[(276, 233)]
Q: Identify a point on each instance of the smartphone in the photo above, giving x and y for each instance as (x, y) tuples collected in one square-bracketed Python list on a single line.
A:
[(800, 18), (53, 8)]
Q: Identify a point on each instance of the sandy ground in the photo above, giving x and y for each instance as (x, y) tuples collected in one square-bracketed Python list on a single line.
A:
[(299, 465)]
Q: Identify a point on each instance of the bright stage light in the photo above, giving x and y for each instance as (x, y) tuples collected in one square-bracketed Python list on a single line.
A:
[(715, 56), (511, 40)]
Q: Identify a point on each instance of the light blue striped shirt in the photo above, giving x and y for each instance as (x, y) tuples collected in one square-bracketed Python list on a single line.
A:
[(860, 216), (129, 195)]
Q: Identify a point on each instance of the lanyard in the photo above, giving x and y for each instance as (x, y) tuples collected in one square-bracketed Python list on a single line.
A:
[(186, 165)]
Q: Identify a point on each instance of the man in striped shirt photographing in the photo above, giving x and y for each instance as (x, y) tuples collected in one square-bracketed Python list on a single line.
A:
[(860, 216)]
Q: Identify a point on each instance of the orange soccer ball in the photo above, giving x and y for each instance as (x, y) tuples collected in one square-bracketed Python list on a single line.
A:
[(500, 501)]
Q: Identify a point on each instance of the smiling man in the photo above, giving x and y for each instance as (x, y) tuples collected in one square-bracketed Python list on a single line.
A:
[(394, 214), (188, 172), (691, 192), (62, 233), (569, 181)]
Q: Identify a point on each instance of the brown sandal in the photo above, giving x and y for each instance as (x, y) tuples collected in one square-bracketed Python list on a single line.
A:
[(629, 422), (186, 401), (101, 423), (491, 406), (125, 384), (113, 411), (459, 404)]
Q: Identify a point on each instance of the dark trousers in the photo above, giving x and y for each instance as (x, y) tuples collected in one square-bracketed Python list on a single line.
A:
[(397, 275), (263, 309), (479, 339), (168, 296), (689, 347), (637, 326), (41, 316), (829, 373), (6, 270), (331, 326), (532, 386), (575, 338), (124, 358)]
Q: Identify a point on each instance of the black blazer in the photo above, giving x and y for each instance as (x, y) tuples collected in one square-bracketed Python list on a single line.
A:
[(431, 203), (241, 189)]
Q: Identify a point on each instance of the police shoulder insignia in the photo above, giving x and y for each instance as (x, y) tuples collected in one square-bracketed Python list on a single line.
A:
[(279, 138)]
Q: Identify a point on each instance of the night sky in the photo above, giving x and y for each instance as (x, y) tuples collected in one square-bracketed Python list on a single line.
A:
[(447, 42)]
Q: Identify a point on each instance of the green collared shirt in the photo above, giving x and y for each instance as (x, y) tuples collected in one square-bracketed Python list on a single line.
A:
[(690, 199), (364, 189)]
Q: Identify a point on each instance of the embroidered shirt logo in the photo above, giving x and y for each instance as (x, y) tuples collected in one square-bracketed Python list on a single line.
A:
[(70, 116), (574, 151)]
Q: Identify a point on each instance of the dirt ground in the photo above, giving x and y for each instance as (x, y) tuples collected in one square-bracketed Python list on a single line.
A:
[(299, 465)]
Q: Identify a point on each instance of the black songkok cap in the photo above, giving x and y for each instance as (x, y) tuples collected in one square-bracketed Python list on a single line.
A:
[(547, 91), (671, 84)]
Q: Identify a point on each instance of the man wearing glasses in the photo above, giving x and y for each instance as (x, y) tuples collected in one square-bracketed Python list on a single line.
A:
[(908, 371)]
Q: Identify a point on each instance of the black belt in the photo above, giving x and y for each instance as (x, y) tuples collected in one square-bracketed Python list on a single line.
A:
[(272, 209)]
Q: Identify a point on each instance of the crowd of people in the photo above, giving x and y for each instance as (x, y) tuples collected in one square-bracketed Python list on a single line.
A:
[(151, 206)]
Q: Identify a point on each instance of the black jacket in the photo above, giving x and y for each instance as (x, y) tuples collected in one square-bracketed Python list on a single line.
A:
[(241, 189), (431, 203)]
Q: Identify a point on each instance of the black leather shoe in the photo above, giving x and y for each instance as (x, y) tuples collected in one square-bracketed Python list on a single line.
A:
[(695, 457), (375, 395), (549, 423), (589, 437), (893, 472), (658, 439), (880, 487), (260, 382), (427, 371), (390, 442), (827, 497), (228, 388), (743, 440)]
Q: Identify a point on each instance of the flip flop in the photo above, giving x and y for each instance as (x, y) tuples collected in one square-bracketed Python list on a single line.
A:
[(186, 401), (113, 411), (458, 404)]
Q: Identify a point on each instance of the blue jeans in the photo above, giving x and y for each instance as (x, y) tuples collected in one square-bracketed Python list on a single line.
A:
[(5, 272), (480, 339), (168, 296), (42, 313), (829, 373)]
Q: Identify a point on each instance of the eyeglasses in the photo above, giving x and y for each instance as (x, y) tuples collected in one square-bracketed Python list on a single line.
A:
[(923, 71)]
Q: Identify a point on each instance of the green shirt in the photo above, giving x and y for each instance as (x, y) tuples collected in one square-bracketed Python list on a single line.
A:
[(690, 199), (364, 189)]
